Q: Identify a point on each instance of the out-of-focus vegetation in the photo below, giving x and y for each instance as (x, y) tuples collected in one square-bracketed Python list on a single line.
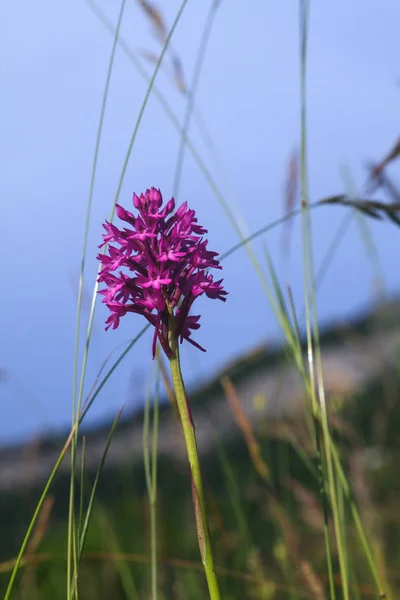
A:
[(263, 496)]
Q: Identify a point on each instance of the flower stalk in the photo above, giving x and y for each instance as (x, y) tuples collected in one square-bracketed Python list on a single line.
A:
[(203, 534), (157, 266)]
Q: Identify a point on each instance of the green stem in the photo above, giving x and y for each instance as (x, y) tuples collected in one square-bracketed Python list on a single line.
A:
[(151, 474), (313, 350), (153, 497), (193, 456)]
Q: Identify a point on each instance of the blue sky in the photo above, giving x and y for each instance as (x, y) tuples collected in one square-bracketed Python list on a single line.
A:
[(53, 62)]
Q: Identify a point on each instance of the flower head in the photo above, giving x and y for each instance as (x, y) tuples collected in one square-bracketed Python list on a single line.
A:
[(158, 268)]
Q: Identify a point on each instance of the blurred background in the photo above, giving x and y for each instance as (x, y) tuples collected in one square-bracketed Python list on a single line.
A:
[(53, 69), (237, 67)]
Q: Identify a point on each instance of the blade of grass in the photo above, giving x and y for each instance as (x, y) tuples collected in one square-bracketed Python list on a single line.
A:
[(154, 487), (265, 229), (93, 397), (295, 345), (59, 461), (83, 533), (95, 485), (146, 435), (308, 277), (35, 516), (151, 471), (82, 486), (75, 409), (329, 443), (354, 511)]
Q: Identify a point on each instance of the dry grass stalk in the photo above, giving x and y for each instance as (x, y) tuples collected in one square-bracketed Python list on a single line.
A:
[(28, 579), (381, 180), (155, 17), (245, 426), (392, 155), (371, 208), (41, 525), (160, 27)]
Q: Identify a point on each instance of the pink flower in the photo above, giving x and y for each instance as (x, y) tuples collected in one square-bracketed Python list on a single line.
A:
[(167, 264)]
